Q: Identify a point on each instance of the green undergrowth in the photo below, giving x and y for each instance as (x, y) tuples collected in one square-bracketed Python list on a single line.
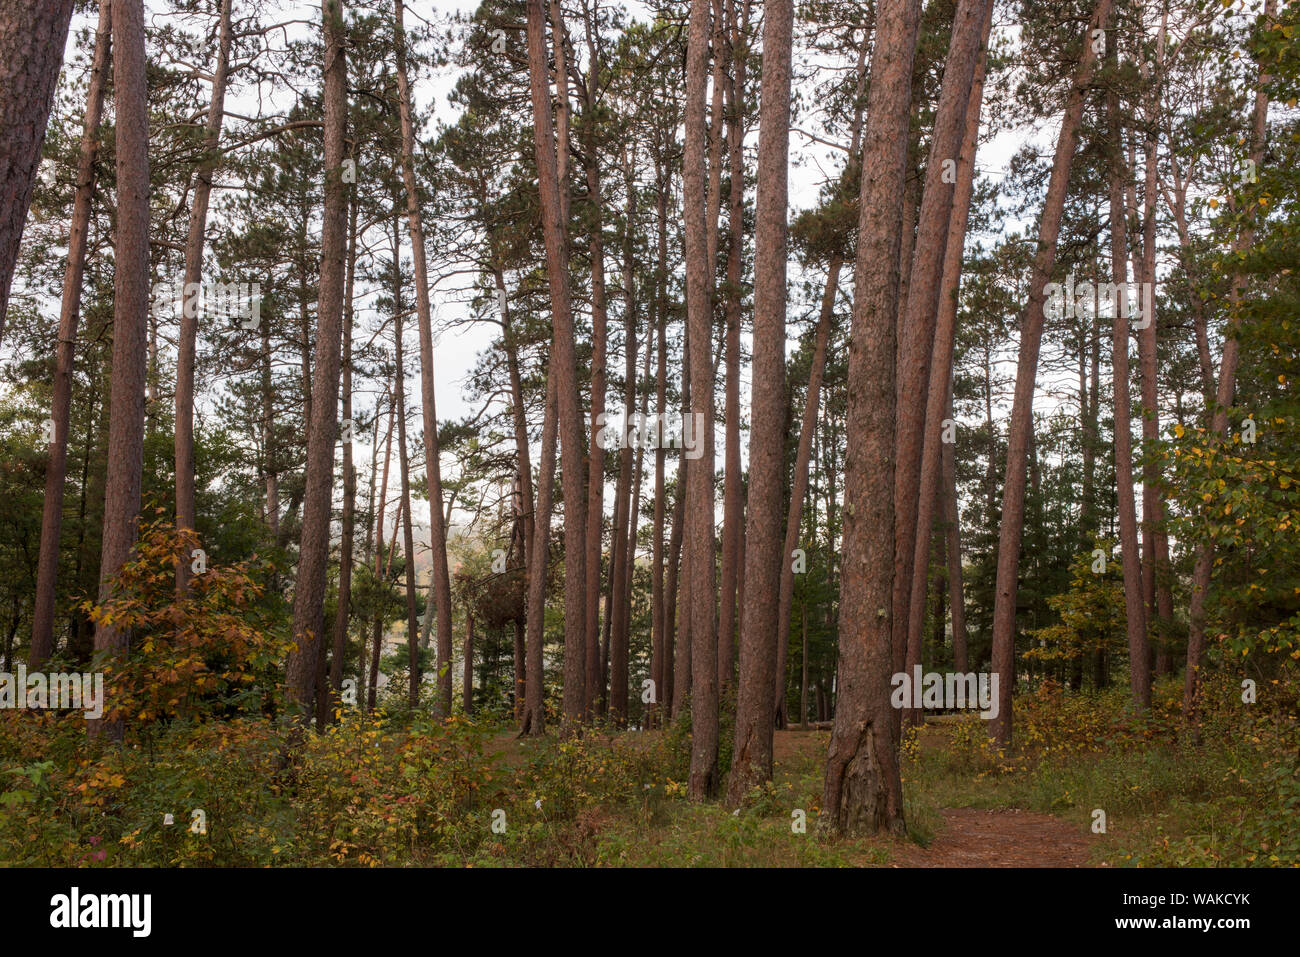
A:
[(1231, 798), (402, 790)]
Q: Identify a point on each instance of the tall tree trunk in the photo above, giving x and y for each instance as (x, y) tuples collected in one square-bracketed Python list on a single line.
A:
[(939, 385), (952, 518), (593, 680), (661, 649), (700, 569), (677, 568), (623, 545), (304, 329), (65, 352), (467, 676), (1155, 542), (313, 555), (408, 535), (79, 640), (1134, 607), (563, 108), (911, 204), (863, 790), (270, 456), (534, 719), (130, 309), (1022, 421), (564, 364), (1088, 424), (33, 34), (634, 525), (921, 405), (616, 548), (808, 425), (344, 609), (519, 417), (677, 639), (428, 407), (751, 762), (733, 505), (385, 569), (372, 685), (189, 321)]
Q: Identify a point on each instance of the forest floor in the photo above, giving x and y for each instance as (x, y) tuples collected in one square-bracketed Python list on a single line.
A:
[(944, 836), (1087, 783), (967, 837)]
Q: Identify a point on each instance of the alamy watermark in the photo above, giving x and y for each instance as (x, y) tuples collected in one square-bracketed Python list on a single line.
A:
[(129, 911), (212, 300), (947, 691), (37, 690), (1130, 300), (663, 430)]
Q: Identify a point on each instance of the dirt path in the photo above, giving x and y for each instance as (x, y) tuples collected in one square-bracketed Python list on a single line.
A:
[(968, 837), (1004, 838)]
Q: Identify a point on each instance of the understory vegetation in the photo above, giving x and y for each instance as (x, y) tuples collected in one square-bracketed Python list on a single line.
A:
[(394, 789)]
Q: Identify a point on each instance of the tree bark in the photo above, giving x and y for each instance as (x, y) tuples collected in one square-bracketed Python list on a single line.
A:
[(408, 535), (808, 424), (467, 676), (921, 405), (699, 544), (593, 680), (343, 612), (33, 34), (270, 458), (863, 791), (378, 630), (313, 556), (661, 648), (1031, 333), (65, 352), (1134, 607), (677, 638), (130, 309), (428, 406), (956, 591), (189, 320), (751, 762), (564, 365), (519, 417), (733, 504), (1155, 542), (634, 516), (534, 719), (623, 546), (1089, 347), (944, 330)]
